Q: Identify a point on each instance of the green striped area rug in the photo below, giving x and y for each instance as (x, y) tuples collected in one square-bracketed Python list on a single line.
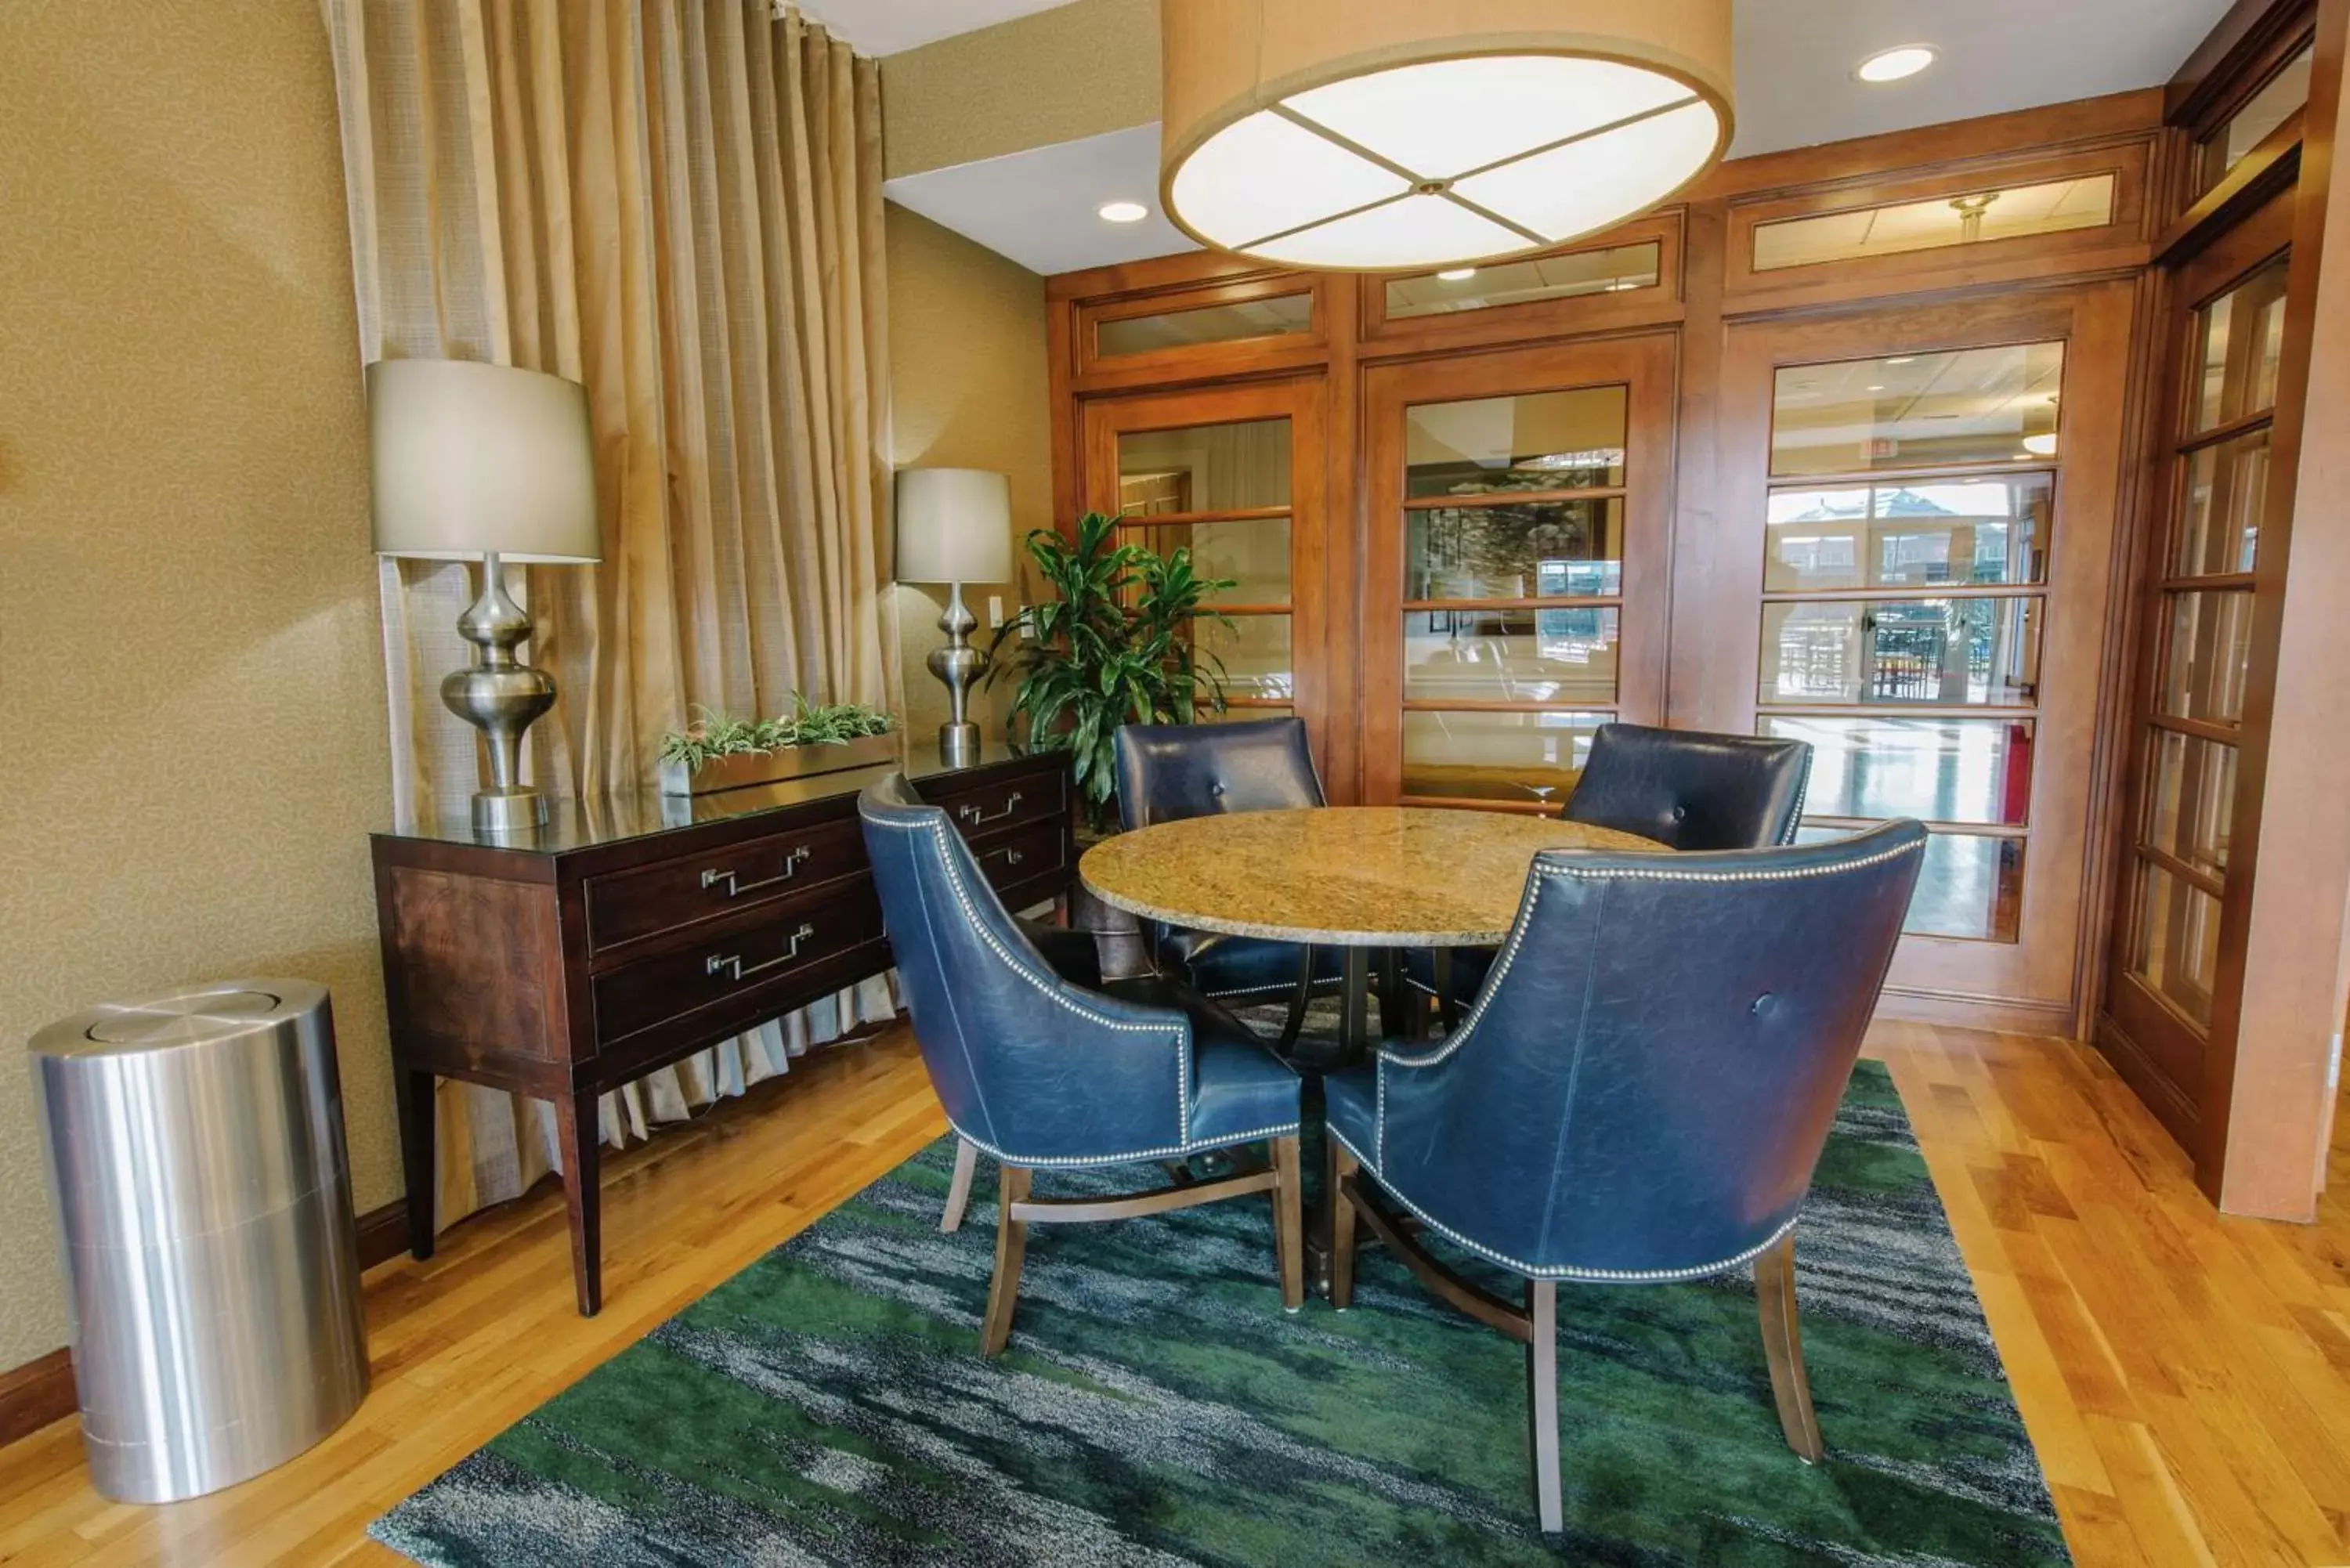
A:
[(829, 1406)]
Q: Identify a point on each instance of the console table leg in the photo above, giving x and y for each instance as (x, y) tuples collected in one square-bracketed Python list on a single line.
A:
[(575, 1124), (416, 1161)]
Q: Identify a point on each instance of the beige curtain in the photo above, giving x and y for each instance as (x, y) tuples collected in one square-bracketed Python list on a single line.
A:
[(678, 203)]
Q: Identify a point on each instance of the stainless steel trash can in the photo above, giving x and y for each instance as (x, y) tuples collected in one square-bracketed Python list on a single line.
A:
[(203, 1198)]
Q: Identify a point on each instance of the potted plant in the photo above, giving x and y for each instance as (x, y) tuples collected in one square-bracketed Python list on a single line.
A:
[(1113, 647), (718, 753)]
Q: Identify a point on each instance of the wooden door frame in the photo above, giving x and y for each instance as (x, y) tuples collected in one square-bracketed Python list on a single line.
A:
[(1646, 364), (1305, 402), (2034, 987)]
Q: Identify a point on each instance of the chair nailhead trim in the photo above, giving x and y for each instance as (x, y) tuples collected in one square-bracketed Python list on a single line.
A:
[(1196, 1146), (1569, 1272)]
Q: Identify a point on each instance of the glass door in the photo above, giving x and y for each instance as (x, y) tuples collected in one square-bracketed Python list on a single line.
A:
[(1236, 474), (2188, 713), (1921, 509), (1515, 567)]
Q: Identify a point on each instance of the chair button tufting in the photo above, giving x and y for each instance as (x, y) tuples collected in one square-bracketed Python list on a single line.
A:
[(1764, 1006), (1680, 813), (1216, 790)]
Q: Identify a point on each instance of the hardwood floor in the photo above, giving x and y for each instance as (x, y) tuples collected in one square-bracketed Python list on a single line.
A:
[(2187, 1379)]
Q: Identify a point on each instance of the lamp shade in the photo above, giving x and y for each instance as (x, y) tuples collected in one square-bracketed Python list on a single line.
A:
[(955, 525), (1386, 135), (467, 460)]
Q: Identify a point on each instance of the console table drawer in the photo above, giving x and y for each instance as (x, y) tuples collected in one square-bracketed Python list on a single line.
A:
[(994, 808), (672, 987), (1009, 857), (624, 907)]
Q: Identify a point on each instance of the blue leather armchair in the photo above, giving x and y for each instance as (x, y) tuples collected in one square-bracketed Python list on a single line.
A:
[(1684, 788), (1638, 1097), (1169, 773), (1039, 1072)]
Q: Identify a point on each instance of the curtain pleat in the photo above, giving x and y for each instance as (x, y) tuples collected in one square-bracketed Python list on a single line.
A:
[(677, 204)]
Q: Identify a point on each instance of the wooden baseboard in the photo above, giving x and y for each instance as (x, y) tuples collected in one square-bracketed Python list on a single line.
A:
[(42, 1391)]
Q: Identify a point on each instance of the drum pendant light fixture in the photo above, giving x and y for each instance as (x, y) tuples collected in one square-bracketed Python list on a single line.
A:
[(1387, 135)]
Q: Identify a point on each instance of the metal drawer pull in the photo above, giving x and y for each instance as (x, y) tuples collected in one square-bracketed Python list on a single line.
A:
[(975, 815), (1010, 856), (735, 964), (736, 890)]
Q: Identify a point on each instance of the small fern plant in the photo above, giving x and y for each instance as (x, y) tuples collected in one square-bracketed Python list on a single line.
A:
[(712, 735)]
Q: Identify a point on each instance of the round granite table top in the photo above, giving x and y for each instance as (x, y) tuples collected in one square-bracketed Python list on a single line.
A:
[(1365, 876)]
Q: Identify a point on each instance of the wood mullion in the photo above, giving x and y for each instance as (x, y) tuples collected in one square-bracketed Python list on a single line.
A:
[(2217, 886), (1596, 601), (1487, 499), (2220, 434), (1904, 595), (1192, 519)]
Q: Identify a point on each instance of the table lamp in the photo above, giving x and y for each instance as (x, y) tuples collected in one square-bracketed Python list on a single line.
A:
[(954, 526), (481, 461)]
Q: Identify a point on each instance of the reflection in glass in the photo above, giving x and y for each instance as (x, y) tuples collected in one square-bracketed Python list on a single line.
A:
[(1923, 535), (2249, 126), (1934, 769), (2242, 337), (1205, 468), (1254, 654), (1245, 715), (2227, 485), (2051, 208), (1969, 885), (1253, 552), (1280, 317), (1541, 441), (1542, 549), (2192, 802), (1515, 757), (2175, 942), (1914, 411), (1979, 651), (1509, 656), (2210, 653), (1617, 270)]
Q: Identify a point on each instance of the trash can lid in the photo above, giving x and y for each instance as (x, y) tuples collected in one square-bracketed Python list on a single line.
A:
[(188, 1016)]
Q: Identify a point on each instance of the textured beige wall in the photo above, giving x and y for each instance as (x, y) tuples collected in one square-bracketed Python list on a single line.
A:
[(1074, 71), (192, 707), (967, 390)]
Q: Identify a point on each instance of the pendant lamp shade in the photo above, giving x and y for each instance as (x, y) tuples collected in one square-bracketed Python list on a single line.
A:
[(1390, 135)]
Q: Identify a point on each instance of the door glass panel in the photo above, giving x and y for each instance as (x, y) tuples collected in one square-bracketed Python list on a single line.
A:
[(1283, 315), (1979, 652), (1538, 549), (1971, 406), (2176, 950), (1509, 656), (2050, 208), (2249, 126), (1253, 552), (2192, 799), (1245, 715), (1205, 468), (2241, 340), (1539, 441), (1254, 652), (1920, 535), (1969, 885), (2208, 655), (2227, 485), (1935, 769), (1496, 756), (1619, 269)]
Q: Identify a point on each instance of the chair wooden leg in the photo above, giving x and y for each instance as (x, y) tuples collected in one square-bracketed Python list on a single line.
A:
[(1782, 1345), (1011, 1249), (1542, 1400), (1343, 1165), (1300, 1000), (959, 1189), (1289, 1221)]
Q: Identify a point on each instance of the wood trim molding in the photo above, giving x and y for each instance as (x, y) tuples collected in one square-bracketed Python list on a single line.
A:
[(2221, 69), (42, 1390)]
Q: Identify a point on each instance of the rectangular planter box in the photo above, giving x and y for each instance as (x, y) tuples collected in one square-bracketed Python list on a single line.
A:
[(748, 768)]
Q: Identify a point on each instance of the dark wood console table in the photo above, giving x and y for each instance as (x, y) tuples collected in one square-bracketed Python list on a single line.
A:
[(635, 931)]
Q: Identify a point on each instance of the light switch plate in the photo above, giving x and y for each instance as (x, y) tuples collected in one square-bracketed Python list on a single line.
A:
[(994, 609)]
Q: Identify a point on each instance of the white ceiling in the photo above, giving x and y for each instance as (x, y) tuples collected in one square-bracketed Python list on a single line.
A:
[(1795, 88)]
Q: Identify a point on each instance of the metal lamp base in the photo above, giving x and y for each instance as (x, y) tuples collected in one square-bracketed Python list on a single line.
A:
[(960, 666), (502, 697)]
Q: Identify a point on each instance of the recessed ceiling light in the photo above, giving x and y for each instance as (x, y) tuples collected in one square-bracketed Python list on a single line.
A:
[(1456, 275), (1893, 65), (2041, 445), (1123, 212)]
